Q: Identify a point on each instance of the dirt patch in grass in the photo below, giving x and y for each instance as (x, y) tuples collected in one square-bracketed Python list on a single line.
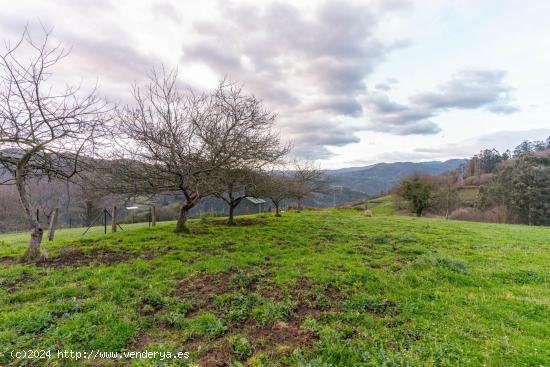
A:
[(281, 336), (239, 222), (13, 285), (205, 285), (202, 289), (218, 356), (281, 333), (8, 261), (75, 257)]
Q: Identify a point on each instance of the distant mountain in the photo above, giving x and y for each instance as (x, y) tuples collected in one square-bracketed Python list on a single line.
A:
[(380, 177)]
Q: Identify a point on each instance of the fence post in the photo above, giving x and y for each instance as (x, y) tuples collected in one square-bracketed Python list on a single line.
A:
[(53, 223), (154, 216), (105, 220), (113, 219)]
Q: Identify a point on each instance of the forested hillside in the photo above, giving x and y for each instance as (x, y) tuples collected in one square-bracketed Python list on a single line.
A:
[(379, 178)]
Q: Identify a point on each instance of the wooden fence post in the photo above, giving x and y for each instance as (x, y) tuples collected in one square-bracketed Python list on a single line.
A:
[(113, 219), (53, 223), (154, 216)]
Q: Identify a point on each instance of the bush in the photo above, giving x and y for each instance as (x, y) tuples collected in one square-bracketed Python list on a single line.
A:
[(207, 325), (241, 347), (272, 312)]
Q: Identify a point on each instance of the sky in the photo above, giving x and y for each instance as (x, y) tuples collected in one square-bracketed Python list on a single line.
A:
[(352, 82)]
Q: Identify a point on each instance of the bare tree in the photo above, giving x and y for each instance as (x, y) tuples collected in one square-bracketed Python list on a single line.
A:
[(253, 143), (179, 140), (307, 181), (233, 186), (277, 186), (44, 131), (446, 192)]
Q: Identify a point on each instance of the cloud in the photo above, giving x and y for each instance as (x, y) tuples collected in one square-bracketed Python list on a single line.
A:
[(340, 105), (311, 137), (382, 86), (394, 118), (113, 58), (332, 51), (500, 140), (217, 58), (469, 89), (299, 62), (167, 10), (387, 85)]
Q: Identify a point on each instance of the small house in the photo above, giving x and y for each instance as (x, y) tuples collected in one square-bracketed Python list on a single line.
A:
[(251, 205)]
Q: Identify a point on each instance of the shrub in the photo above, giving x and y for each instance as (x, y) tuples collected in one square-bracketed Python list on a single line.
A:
[(271, 312), (241, 347), (207, 325)]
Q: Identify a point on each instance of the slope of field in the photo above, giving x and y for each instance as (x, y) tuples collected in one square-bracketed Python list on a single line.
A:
[(319, 288)]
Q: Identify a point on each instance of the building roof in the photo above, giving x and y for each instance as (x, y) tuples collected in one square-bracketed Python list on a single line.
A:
[(254, 200)]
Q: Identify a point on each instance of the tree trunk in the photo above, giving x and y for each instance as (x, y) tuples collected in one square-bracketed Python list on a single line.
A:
[(231, 220), (53, 224), (113, 219), (154, 216), (182, 219), (89, 212), (277, 213), (299, 205), (33, 251), (233, 204)]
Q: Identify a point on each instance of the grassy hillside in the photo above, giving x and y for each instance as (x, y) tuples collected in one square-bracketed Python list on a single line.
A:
[(468, 194), (320, 288)]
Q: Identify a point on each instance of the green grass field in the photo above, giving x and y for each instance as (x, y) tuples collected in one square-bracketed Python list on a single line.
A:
[(468, 194), (317, 288)]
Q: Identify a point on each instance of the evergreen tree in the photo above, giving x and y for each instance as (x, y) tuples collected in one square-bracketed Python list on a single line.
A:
[(418, 191)]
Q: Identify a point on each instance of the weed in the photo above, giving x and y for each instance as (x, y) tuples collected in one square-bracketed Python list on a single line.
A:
[(272, 311), (455, 265), (208, 325), (381, 239), (241, 347)]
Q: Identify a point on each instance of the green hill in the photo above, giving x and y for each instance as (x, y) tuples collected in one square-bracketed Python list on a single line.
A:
[(318, 288)]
